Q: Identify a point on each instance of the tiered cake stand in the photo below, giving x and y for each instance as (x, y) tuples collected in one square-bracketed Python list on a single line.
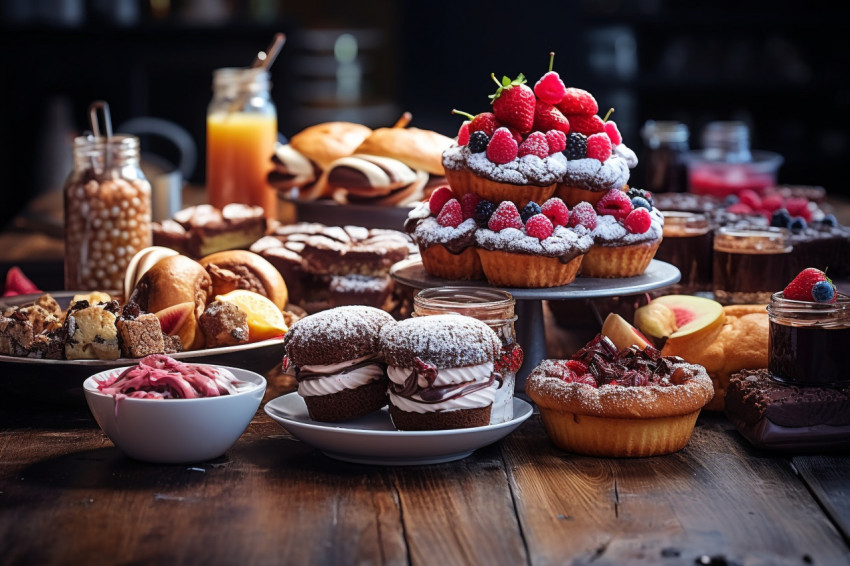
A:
[(530, 328)]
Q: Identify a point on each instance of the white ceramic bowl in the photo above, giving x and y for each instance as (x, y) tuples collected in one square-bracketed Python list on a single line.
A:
[(175, 431)]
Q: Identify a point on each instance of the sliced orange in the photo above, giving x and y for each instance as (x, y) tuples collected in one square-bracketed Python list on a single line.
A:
[(265, 320)]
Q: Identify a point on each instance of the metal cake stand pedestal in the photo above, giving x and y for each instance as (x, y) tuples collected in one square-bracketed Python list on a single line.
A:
[(530, 327)]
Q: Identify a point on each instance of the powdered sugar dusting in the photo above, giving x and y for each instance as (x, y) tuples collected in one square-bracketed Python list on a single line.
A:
[(610, 232), (562, 242), (355, 283), (429, 232), (525, 170), (626, 154), (594, 175)]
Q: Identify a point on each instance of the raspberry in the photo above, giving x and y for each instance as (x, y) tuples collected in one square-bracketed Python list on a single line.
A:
[(529, 210), (750, 198), (586, 125), (506, 215), (638, 221), (739, 208), (539, 226), (451, 215), (502, 147), (547, 117), (483, 212), (478, 142), (771, 203), (550, 88), (613, 132), (468, 204), (599, 147), (513, 103), (583, 214), (463, 133), (578, 101), (614, 202), (516, 134), (641, 202), (576, 146), (557, 141), (534, 144), (438, 198), (510, 360), (798, 206), (556, 211)]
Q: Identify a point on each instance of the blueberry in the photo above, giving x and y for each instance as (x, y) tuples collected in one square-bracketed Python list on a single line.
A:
[(823, 291), (730, 200), (478, 142), (829, 220), (529, 210), (780, 218), (483, 212), (640, 201), (798, 223)]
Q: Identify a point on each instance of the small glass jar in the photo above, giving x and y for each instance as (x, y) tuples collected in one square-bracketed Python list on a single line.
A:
[(687, 244), (809, 343), (107, 212), (493, 307), (665, 156), (750, 263), (241, 135)]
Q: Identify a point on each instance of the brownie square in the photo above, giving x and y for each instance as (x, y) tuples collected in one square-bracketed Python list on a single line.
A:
[(141, 336)]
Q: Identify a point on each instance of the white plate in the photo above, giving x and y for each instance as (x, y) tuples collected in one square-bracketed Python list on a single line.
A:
[(373, 439)]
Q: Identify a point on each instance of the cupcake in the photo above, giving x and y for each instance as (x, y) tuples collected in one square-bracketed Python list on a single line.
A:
[(441, 371), (531, 249), (626, 403), (339, 367), (444, 229), (626, 236)]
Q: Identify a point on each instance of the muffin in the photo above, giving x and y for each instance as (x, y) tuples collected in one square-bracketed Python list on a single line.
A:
[(445, 234), (441, 372), (627, 403), (595, 165), (532, 249), (338, 363), (627, 234)]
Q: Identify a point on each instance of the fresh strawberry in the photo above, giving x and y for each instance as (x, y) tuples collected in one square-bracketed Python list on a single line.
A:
[(18, 284), (610, 128), (513, 103), (438, 198), (585, 124), (547, 117), (534, 144), (739, 208), (556, 211), (615, 203), (451, 215), (539, 226), (799, 206), (550, 88), (583, 214), (557, 141), (771, 202), (502, 147), (750, 198), (638, 221), (800, 288), (599, 147), (468, 202), (463, 133), (510, 360), (506, 215), (578, 101), (484, 122)]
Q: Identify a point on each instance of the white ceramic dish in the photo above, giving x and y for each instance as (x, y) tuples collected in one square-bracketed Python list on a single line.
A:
[(373, 440), (175, 431)]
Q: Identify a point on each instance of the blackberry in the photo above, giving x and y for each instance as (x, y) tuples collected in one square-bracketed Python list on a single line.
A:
[(483, 211), (780, 218), (641, 201), (576, 146), (529, 210), (798, 223), (478, 142)]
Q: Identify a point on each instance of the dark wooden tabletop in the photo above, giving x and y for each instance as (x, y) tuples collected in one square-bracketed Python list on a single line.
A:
[(68, 496)]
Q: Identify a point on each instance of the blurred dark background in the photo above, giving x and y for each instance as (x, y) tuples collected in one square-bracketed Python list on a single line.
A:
[(782, 67)]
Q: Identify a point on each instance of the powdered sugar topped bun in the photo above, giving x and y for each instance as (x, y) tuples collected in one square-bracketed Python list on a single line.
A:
[(610, 232), (593, 175), (564, 242), (443, 341), (336, 335), (525, 170)]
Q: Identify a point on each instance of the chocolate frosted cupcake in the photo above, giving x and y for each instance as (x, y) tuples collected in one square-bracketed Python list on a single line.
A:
[(441, 371), (588, 179), (338, 362)]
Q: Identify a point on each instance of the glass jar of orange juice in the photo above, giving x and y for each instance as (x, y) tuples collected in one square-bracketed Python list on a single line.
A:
[(241, 133)]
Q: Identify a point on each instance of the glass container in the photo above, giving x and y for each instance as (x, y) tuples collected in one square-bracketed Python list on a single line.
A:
[(687, 244), (750, 264), (665, 156)]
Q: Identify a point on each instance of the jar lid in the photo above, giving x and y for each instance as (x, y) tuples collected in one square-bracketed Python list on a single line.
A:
[(483, 303), (656, 132)]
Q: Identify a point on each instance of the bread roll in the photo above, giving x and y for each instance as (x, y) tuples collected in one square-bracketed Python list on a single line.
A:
[(243, 269), (325, 143), (418, 149)]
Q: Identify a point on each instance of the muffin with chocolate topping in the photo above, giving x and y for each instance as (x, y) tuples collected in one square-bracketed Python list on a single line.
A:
[(441, 372), (338, 361)]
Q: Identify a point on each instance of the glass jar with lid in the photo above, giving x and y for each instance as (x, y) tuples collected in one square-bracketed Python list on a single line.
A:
[(493, 307), (107, 204), (665, 156)]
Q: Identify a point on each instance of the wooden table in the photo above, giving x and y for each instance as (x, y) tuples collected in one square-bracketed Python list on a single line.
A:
[(68, 496)]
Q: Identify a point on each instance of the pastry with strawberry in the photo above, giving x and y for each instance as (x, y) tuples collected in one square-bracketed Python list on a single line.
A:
[(597, 158), (512, 153), (444, 229), (626, 234), (530, 248)]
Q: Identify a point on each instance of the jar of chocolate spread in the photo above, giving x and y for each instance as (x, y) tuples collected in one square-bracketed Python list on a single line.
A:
[(493, 307), (809, 343), (107, 212)]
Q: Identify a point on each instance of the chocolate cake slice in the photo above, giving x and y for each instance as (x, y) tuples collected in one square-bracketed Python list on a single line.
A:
[(773, 415)]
